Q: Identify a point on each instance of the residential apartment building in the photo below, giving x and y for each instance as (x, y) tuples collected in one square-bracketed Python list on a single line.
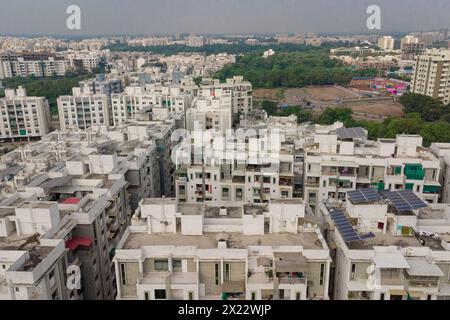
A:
[(161, 132), (233, 169), (432, 75), (213, 251), (239, 90), (338, 160), (83, 109), (102, 85), (23, 117), (161, 104), (386, 250), (210, 113), (442, 152), (32, 64), (386, 43)]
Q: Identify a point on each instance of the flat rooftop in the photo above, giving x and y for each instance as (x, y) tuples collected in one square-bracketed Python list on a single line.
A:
[(148, 201), (232, 212), (308, 240), (387, 239)]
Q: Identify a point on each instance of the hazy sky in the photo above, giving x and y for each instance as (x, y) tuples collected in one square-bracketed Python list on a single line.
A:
[(18, 17)]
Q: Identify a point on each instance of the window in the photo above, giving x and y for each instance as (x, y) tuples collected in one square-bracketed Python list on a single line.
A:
[(382, 296), (216, 274), (123, 274), (298, 296), (3, 266), (227, 272), (190, 295), (146, 296), (322, 273), (160, 294), (161, 265), (353, 271), (176, 264), (253, 295)]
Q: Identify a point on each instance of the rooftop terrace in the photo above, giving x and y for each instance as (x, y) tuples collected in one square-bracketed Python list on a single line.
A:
[(308, 240)]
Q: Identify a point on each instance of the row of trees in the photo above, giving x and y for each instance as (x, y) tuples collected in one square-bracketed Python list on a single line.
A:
[(292, 69), (237, 48)]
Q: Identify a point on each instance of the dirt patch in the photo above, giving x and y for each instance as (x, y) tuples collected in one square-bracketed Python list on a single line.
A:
[(328, 93), (266, 94), (385, 108)]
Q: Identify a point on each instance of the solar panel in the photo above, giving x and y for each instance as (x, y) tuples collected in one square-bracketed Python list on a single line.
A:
[(404, 200), (363, 195), (343, 225), (351, 133)]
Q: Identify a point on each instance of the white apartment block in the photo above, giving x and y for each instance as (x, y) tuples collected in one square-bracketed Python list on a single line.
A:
[(161, 104), (341, 160), (395, 255), (386, 43), (23, 116), (32, 269), (432, 75), (442, 152), (239, 90), (161, 132), (235, 171), (101, 85), (32, 64), (83, 110), (210, 113), (212, 251)]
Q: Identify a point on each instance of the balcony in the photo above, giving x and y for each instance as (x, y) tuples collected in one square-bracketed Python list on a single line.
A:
[(238, 179), (423, 282), (414, 172), (312, 182), (285, 182)]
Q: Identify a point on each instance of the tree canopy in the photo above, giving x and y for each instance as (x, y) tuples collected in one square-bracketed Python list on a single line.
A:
[(292, 69)]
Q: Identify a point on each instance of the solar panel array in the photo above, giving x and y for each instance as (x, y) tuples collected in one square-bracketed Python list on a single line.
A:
[(404, 200), (347, 232), (364, 195), (351, 133)]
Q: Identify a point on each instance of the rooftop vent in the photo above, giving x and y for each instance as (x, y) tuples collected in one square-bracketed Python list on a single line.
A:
[(222, 244)]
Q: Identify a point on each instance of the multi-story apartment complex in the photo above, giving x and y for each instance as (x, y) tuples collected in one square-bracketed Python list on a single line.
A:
[(83, 109), (386, 43), (233, 170), (432, 75), (342, 159), (32, 64), (213, 251), (388, 246), (161, 101), (23, 117), (77, 189), (161, 132), (239, 90), (102, 85), (442, 152), (210, 113)]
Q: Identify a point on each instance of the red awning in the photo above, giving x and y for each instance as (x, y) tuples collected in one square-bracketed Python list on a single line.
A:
[(75, 242), (72, 200)]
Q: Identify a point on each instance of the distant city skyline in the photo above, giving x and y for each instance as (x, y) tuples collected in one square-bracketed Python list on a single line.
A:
[(140, 17)]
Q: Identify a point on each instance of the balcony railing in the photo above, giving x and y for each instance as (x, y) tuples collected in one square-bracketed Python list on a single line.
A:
[(292, 280)]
